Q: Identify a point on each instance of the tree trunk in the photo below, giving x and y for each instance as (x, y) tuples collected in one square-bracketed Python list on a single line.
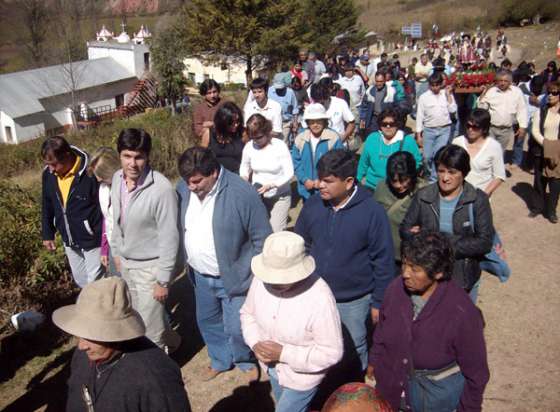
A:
[(249, 70)]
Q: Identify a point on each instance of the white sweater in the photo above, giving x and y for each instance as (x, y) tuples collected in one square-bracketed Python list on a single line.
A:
[(269, 165)]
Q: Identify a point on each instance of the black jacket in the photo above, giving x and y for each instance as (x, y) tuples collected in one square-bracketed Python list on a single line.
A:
[(469, 245), (145, 379), (79, 223)]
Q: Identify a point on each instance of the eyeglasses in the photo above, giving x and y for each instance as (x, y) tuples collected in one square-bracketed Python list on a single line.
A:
[(554, 93), (473, 126), (388, 125)]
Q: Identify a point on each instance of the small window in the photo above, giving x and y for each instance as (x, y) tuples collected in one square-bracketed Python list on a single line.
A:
[(147, 62), (9, 136), (119, 100)]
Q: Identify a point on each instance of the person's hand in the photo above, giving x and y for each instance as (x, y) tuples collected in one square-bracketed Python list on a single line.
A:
[(49, 245), (104, 261), (415, 229), (117, 260), (521, 133), (208, 124), (160, 293), (271, 350), (374, 315), (309, 184), (316, 184), (362, 124), (264, 188), (500, 251), (448, 90), (419, 139), (370, 373)]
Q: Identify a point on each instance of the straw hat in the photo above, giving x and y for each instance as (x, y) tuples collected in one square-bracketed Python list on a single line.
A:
[(315, 111), (283, 260), (103, 313)]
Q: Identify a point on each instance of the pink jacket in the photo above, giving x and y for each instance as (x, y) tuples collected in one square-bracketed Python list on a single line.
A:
[(305, 321)]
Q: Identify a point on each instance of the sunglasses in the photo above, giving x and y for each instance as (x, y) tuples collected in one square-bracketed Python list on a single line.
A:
[(473, 126), (388, 124), (554, 93)]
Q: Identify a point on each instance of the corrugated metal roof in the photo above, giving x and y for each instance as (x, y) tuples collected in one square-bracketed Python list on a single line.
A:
[(20, 92)]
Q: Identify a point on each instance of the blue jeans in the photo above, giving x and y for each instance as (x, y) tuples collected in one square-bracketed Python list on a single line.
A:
[(517, 155), (354, 316), (494, 264), (434, 139), (289, 400), (217, 317)]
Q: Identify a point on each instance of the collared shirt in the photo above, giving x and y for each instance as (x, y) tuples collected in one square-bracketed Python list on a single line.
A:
[(288, 102), (272, 111), (203, 112), (434, 109), (355, 87), (304, 320), (126, 194), (425, 69), (506, 107), (64, 182), (199, 234), (343, 205)]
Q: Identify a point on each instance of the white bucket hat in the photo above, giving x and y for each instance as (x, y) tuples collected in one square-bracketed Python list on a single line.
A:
[(102, 313), (315, 111), (283, 260)]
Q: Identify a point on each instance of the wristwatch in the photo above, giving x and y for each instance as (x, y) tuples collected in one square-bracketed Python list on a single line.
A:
[(163, 284)]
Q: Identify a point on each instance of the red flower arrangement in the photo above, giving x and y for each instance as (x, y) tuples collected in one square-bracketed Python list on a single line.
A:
[(471, 79)]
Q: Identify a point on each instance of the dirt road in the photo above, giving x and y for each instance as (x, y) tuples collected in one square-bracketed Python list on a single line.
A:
[(522, 315)]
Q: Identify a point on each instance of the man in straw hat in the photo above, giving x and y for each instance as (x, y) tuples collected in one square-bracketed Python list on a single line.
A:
[(116, 368), (291, 322)]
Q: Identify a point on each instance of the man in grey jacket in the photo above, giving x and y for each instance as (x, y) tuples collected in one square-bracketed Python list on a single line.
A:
[(145, 238), (223, 225)]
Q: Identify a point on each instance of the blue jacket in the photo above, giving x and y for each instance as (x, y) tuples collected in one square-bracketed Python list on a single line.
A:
[(79, 223), (394, 98), (240, 226), (305, 162), (352, 248)]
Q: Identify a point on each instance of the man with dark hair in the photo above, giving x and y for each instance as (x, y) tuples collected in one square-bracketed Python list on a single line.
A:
[(349, 236), (203, 113), (508, 110), (380, 96), (224, 223), (258, 102), (433, 120), (71, 206), (145, 237)]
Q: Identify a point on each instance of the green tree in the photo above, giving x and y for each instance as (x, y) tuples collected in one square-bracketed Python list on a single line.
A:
[(254, 31), (168, 65), (320, 21)]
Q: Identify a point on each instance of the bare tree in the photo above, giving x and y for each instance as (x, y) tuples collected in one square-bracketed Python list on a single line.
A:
[(33, 23)]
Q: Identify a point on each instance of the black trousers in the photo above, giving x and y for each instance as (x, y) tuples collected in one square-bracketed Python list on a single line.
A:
[(543, 203)]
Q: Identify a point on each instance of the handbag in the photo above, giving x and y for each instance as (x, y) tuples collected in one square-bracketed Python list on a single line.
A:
[(436, 390)]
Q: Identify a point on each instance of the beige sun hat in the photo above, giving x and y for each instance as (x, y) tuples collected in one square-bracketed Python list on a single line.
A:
[(103, 313), (315, 111), (283, 260)]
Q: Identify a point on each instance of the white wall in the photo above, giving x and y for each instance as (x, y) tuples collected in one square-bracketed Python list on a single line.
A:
[(130, 56), (234, 74), (56, 115), (7, 121)]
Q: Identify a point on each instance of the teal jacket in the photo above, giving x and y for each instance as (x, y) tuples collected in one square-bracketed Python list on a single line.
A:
[(305, 161), (373, 161)]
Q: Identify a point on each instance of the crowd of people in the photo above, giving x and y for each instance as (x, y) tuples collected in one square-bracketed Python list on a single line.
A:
[(395, 229)]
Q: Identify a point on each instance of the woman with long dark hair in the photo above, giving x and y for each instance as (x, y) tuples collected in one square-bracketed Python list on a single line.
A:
[(226, 137)]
